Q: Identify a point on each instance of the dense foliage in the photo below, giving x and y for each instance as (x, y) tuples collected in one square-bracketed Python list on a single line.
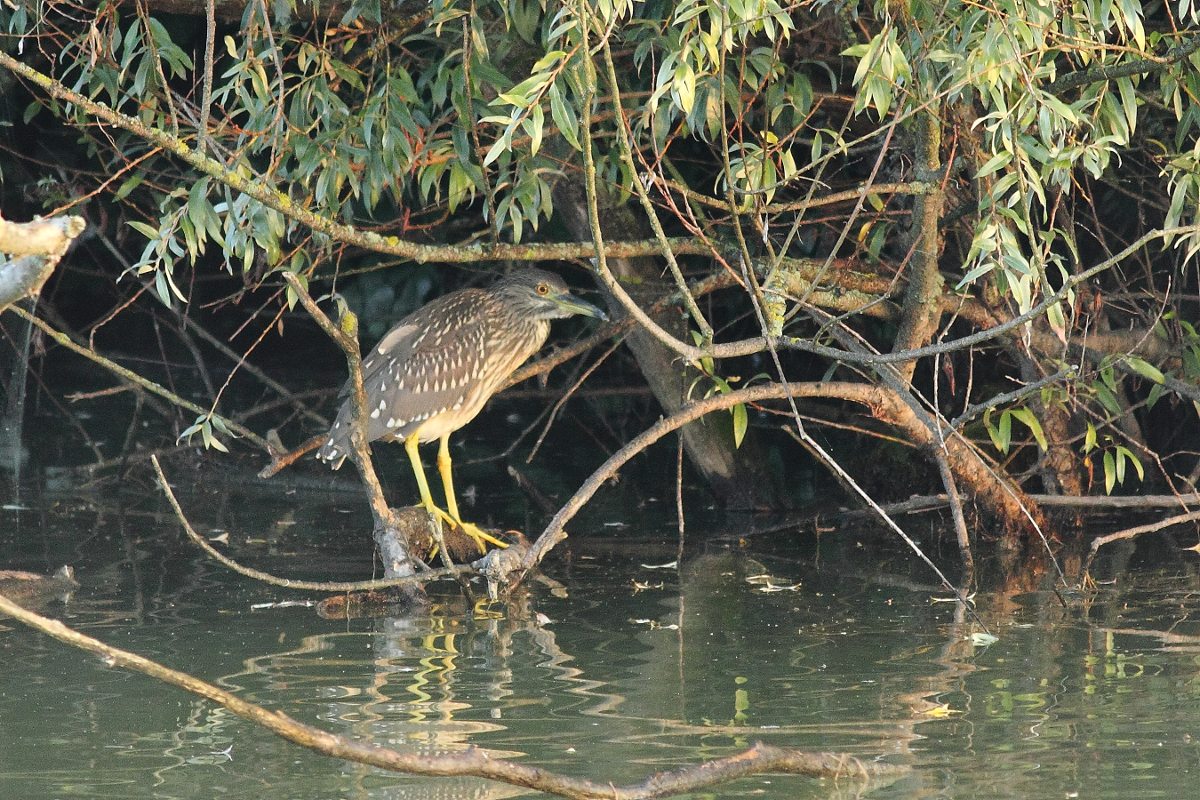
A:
[(876, 179)]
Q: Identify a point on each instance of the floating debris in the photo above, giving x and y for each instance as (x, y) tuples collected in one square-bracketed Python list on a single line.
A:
[(30, 589), (767, 583)]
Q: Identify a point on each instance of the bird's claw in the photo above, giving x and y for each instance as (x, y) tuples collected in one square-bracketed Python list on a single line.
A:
[(481, 537)]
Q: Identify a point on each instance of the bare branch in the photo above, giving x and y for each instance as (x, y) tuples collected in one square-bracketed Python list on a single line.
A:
[(292, 583), (42, 243)]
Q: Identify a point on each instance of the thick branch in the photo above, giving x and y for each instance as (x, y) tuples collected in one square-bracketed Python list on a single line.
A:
[(43, 243), (922, 306), (260, 190), (405, 15), (882, 402)]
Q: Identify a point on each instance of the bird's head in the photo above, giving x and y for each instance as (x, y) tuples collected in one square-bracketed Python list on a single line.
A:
[(542, 295)]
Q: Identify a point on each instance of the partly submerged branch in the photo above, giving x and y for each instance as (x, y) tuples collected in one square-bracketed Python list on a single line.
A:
[(882, 402), (292, 583), (474, 761)]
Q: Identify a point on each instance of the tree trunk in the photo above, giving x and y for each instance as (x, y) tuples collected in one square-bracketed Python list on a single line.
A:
[(735, 476)]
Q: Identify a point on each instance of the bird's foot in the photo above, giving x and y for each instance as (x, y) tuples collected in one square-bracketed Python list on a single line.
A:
[(481, 537)]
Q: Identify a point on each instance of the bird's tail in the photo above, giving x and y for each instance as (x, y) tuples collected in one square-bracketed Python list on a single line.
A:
[(337, 446)]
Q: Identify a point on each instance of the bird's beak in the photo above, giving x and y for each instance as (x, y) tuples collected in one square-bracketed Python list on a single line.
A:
[(571, 305)]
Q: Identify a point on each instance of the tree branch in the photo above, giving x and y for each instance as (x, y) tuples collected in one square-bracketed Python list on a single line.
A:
[(1112, 71), (43, 243), (292, 583)]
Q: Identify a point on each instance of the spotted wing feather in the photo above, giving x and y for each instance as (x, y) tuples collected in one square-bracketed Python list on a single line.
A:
[(423, 367)]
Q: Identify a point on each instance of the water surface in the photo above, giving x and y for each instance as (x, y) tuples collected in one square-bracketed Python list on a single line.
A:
[(613, 672)]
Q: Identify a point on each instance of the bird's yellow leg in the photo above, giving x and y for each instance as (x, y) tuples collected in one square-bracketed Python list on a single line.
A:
[(411, 446), (474, 531), (414, 456)]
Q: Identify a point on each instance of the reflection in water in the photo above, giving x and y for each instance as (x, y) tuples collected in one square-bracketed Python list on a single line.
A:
[(627, 671)]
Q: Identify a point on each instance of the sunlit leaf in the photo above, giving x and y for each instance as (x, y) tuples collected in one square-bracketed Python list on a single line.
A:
[(740, 422)]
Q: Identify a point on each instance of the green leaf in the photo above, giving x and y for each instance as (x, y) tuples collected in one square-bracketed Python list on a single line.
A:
[(740, 422), (1144, 368), (683, 87), (564, 117), (1124, 454), (500, 146), (128, 186), (994, 163), (1155, 394), (1089, 438), (149, 231), (1027, 417), (1000, 435)]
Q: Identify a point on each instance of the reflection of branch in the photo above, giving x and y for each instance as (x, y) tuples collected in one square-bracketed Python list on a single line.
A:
[(475, 761), (290, 583)]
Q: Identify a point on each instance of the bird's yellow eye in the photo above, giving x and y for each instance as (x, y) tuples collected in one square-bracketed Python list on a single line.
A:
[(543, 289)]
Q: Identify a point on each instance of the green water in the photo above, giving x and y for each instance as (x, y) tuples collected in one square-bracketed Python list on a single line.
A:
[(616, 672)]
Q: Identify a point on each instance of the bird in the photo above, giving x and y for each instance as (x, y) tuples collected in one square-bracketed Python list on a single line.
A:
[(435, 370)]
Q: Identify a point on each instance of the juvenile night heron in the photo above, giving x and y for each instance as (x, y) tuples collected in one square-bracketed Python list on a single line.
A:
[(432, 373)]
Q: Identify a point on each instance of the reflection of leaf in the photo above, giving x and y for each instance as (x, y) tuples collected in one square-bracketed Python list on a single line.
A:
[(766, 584), (939, 710)]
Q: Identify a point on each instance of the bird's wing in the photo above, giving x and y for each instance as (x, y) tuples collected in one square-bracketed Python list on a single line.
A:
[(432, 371), (426, 365)]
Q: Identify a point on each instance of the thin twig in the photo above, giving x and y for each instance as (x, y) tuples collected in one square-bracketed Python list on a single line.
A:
[(626, 152), (210, 36), (291, 583), (134, 378), (1130, 533)]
